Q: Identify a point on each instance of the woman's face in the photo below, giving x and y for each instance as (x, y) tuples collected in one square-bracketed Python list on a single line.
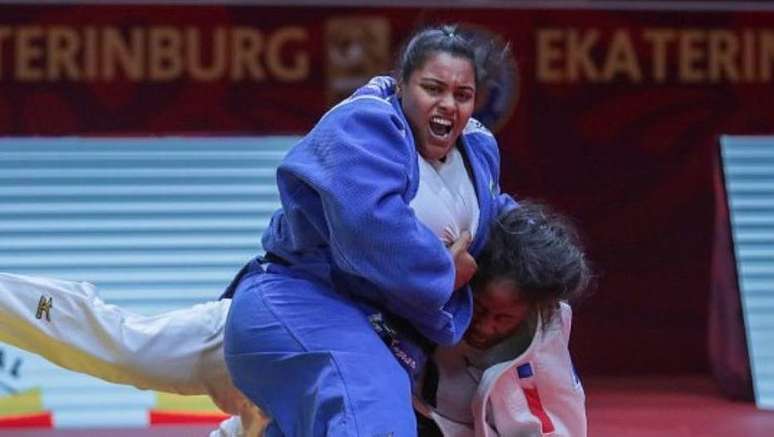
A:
[(438, 100), (497, 313)]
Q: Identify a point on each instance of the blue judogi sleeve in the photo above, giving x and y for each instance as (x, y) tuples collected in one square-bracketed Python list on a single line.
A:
[(346, 185), (487, 148)]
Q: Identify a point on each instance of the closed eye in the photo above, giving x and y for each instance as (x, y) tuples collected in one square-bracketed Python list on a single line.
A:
[(431, 89)]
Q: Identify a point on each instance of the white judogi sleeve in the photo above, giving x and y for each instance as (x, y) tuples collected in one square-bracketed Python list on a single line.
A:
[(538, 393)]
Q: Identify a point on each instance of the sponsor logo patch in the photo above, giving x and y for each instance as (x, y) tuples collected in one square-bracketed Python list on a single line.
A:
[(44, 308)]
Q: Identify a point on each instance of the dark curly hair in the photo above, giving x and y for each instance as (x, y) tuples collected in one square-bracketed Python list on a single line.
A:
[(541, 252)]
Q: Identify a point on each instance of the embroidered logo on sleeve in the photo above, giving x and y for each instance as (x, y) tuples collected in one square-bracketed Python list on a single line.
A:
[(44, 307)]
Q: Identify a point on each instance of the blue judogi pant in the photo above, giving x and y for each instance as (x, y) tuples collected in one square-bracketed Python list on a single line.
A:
[(309, 357)]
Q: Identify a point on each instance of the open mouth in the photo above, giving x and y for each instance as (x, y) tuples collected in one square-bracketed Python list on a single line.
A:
[(440, 127)]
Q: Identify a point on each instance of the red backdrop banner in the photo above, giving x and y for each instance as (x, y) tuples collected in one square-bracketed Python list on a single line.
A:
[(612, 116)]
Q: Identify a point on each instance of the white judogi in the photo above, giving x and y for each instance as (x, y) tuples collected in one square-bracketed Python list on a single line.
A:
[(536, 393)]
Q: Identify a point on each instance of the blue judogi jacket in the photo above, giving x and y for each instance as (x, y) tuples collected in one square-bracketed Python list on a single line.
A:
[(345, 190)]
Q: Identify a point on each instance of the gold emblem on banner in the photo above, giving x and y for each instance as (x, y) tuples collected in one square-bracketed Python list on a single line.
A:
[(44, 307), (356, 49)]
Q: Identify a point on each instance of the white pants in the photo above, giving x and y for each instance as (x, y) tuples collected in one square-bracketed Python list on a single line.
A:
[(179, 351)]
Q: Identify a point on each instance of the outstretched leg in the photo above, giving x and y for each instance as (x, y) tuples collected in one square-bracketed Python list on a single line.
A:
[(68, 324)]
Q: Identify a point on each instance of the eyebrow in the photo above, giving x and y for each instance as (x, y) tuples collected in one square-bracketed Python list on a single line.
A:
[(440, 82)]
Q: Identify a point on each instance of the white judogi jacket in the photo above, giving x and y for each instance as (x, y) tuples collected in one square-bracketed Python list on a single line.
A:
[(536, 394)]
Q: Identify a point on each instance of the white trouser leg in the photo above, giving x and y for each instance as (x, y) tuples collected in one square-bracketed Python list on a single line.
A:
[(179, 351)]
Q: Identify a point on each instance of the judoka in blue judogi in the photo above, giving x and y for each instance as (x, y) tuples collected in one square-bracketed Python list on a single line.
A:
[(347, 244)]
